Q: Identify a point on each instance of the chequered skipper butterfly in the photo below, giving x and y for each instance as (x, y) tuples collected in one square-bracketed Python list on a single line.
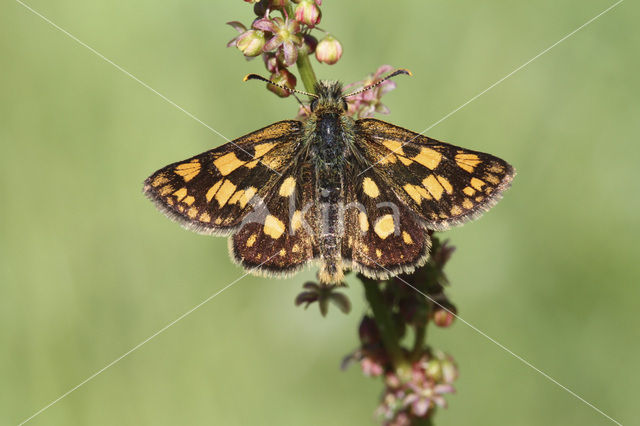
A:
[(347, 194)]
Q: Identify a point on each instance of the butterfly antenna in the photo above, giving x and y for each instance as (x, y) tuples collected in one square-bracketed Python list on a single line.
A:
[(266, 80), (379, 82)]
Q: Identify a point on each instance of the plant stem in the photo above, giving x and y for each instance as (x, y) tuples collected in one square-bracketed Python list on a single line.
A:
[(384, 321), (418, 344), (306, 72)]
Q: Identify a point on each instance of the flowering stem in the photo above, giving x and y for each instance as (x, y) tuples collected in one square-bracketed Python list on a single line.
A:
[(418, 344), (304, 64), (306, 72), (384, 321)]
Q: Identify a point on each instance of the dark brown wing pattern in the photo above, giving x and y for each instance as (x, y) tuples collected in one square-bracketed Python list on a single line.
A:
[(444, 184), (241, 188)]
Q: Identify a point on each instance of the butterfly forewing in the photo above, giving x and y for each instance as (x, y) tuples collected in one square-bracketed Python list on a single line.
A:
[(214, 191), (445, 185)]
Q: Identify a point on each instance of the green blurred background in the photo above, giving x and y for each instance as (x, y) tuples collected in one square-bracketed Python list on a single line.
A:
[(89, 268)]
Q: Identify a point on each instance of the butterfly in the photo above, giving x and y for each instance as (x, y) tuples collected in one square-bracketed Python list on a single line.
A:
[(343, 193)]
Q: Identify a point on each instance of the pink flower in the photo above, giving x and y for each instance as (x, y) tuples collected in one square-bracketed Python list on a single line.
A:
[(285, 39), (367, 103)]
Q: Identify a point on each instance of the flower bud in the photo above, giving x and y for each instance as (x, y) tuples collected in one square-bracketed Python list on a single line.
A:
[(261, 7), (284, 78), (444, 315), (309, 44), (368, 331), (307, 12), (251, 43), (329, 50), (433, 369)]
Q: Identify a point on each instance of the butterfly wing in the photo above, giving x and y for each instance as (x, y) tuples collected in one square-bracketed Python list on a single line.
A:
[(236, 189), (382, 236), (277, 237), (443, 184)]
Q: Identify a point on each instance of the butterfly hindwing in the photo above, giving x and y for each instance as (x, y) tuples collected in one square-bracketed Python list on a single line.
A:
[(382, 236), (212, 192), (444, 184), (276, 238)]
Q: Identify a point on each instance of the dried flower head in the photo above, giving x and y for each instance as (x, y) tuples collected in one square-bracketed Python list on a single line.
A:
[(323, 294)]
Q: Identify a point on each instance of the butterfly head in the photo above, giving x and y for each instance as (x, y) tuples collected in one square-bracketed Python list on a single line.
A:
[(329, 98)]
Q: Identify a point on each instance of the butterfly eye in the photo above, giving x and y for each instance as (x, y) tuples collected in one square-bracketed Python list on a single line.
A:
[(344, 104), (314, 104)]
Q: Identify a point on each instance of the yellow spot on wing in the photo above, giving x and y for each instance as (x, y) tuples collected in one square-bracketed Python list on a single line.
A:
[(236, 196), (252, 164), (283, 252), (467, 203), (251, 240), (247, 196), (295, 248), (180, 193), (405, 160), (433, 186), (394, 146), (192, 212), (370, 188), (388, 159), (496, 168), (212, 191), (296, 220), (407, 238), (477, 183), (445, 184), (417, 192), (204, 217), (493, 179), (273, 227), (227, 163), (428, 157), (226, 190), (287, 187), (262, 149), (363, 221), (165, 190), (189, 200), (467, 161), (159, 180), (378, 253), (384, 226), (188, 170), (456, 210), (469, 191)]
